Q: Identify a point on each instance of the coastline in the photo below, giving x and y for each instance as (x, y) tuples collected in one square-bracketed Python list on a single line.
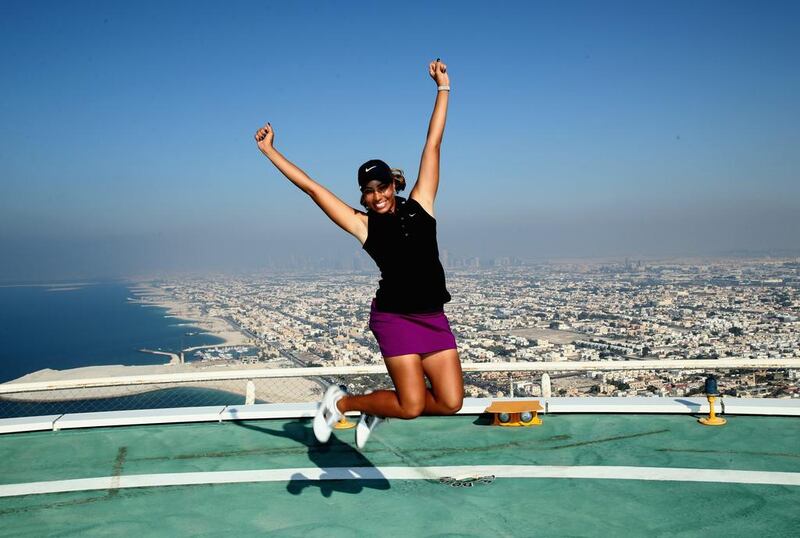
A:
[(148, 295)]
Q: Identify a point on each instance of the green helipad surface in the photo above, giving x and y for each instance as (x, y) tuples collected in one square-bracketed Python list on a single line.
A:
[(625, 472)]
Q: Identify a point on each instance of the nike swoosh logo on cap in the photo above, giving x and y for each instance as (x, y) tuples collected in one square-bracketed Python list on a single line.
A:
[(370, 168)]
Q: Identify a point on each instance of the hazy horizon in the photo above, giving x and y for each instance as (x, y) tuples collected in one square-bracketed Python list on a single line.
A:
[(638, 130)]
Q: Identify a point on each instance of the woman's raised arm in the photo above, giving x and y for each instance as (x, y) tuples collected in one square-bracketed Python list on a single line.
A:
[(346, 217), (424, 191)]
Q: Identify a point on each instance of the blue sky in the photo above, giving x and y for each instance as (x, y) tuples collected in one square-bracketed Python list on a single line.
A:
[(575, 129)]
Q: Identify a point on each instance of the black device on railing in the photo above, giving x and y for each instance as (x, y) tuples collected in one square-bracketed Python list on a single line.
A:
[(711, 393), (711, 386)]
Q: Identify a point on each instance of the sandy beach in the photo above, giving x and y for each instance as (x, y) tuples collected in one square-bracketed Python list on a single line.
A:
[(148, 295), (270, 390)]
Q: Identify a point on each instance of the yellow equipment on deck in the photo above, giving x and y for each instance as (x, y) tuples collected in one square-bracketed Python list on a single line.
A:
[(516, 413)]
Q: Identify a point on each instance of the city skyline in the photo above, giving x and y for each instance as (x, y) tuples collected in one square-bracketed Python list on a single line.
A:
[(559, 312)]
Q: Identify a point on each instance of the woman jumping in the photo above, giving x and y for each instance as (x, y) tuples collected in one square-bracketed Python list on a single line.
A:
[(407, 314)]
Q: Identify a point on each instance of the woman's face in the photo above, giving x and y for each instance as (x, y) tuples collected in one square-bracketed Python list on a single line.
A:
[(379, 197)]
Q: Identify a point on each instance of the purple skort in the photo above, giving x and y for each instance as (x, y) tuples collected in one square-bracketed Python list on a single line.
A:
[(403, 334)]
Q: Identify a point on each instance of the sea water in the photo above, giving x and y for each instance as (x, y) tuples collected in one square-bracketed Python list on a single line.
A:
[(68, 326)]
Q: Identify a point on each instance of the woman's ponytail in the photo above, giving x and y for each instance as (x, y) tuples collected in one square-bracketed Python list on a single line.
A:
[(399, 179)]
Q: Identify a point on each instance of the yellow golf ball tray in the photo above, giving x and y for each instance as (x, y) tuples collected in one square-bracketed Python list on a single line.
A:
[(516, 413)]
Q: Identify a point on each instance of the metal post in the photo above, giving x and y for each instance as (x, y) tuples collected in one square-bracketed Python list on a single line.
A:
[(250, 393), (546, 388)]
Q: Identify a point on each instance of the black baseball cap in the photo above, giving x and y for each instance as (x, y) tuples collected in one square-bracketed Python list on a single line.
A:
[(372, 170)]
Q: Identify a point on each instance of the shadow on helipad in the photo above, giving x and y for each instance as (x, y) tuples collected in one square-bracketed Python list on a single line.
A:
[(334, 453)]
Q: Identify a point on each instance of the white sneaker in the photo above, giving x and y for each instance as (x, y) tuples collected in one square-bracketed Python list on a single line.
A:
[(366, 424), (327, 413)]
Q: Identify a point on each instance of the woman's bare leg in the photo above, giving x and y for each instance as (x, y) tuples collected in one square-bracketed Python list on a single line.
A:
[(443, 369), (407, 401), (411, 397)]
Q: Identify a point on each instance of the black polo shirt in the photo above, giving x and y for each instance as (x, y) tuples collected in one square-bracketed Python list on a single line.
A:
[(404, 246)]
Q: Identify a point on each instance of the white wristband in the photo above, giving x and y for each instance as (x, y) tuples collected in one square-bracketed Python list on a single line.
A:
[(446, 88)]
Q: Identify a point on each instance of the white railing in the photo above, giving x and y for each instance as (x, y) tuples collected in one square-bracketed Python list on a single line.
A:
[(291, 392), (305, 385), (277, 373)]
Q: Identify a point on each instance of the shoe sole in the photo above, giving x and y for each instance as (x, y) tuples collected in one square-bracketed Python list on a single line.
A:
[(322, 426)]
